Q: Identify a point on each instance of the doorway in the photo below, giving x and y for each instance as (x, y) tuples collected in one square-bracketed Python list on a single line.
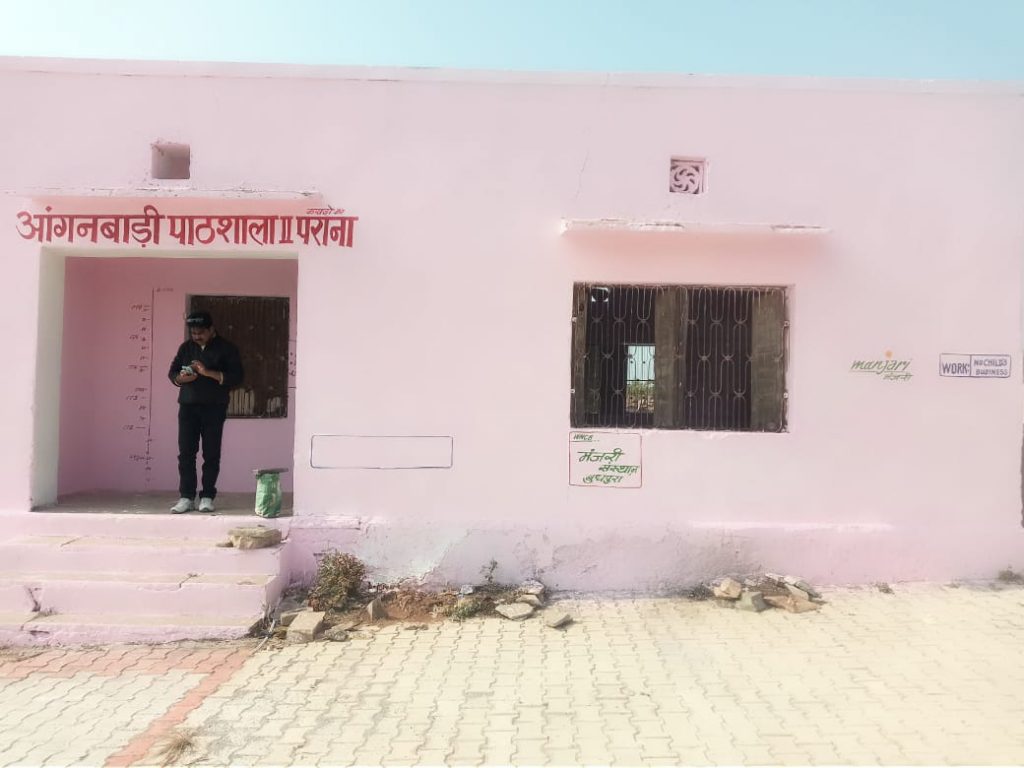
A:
[(114, 444)]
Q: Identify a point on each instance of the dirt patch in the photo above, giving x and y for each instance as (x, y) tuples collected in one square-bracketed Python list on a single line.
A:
[(404, 603), (349, 602), (417, 606), (13, 653), (700, 592)]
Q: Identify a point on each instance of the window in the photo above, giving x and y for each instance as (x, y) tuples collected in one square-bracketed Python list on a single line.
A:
[(258, 326), (679, 357), (640, 378)]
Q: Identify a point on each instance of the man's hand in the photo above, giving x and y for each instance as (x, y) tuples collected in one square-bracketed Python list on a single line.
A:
[(185, 378), (202, 370)]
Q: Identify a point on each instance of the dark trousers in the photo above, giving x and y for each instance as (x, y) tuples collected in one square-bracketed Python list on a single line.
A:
[(195, 423)]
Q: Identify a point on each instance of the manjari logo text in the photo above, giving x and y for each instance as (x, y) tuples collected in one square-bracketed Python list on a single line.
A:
[(888, 368)]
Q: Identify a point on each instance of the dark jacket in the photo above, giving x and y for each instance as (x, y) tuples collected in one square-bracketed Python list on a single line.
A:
[(219, 355)]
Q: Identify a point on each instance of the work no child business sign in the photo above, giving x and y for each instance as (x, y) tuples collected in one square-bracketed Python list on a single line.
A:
[(317, 226), (975, 366)]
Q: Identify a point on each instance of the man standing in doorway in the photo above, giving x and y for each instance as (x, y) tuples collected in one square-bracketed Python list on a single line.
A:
[(205, 370)]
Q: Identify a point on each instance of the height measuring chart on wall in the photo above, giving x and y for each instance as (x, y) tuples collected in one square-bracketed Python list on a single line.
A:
[(605, 459), (138, 395), (137, 423)]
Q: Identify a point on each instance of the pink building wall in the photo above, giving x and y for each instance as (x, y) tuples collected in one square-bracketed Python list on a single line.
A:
[(451, 315), (105, 372)]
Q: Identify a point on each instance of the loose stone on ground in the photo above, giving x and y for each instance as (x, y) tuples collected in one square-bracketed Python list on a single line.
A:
[(791, 604), (796, 581), (757, 593), (557, 619), (751, 600), (798, 593), (375, 610), (515, 611), (729, 589), (336, 635), (532, 587), (304, 627), (254, 537), (288, 609)]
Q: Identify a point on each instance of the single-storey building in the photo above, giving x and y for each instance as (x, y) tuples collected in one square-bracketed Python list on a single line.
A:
[(617, 332)]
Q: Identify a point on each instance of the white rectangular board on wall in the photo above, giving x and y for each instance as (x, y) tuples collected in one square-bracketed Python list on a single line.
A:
[(605, 459), (381, 451), (975, 366)]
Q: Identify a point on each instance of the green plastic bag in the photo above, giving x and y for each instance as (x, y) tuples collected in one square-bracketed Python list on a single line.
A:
[(268, 494)]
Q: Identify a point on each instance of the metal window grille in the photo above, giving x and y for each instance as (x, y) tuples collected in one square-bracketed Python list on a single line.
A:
[(679, 357), (258, 326)]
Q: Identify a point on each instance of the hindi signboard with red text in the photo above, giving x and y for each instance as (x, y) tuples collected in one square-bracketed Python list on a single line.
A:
[(317, 226)]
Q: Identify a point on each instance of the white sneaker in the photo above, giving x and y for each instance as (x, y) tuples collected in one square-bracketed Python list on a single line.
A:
[(206, 505), (183, 505)]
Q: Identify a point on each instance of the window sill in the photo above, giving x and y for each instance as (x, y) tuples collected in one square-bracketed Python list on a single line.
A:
[(707, 434), (636, 226)]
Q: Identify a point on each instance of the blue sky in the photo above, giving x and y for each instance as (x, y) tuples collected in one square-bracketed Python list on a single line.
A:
[(941, 39)]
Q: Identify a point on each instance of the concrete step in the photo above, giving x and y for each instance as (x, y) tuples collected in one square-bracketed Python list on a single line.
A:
[(135, 526), (138, 593), (91, 628), (43, 553), (91, 578)]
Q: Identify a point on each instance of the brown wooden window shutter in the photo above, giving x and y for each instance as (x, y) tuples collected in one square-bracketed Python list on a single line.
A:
[(767, 363), (578, 392), (670, 328), (259, 327)]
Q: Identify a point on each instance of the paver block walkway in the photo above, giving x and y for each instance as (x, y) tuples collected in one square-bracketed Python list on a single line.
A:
[(928, 675)]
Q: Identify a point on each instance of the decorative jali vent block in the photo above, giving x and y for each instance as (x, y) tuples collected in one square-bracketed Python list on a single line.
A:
[(688, 176)]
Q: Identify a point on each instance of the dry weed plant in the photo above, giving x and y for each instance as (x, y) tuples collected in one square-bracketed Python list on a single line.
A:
[(1010, 576), (339, 576), (466, 608), (179, 743)]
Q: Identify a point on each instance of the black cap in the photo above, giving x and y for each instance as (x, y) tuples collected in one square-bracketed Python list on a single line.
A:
[(199, 320)]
